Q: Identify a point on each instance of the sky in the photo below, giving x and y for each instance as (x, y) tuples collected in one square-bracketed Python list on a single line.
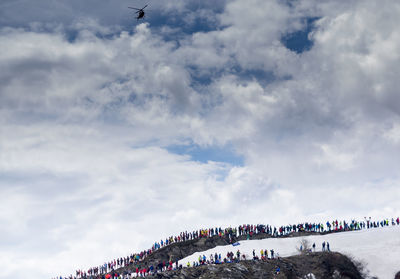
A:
[(115, 133)]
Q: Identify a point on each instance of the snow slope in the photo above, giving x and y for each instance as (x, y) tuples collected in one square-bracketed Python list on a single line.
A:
[(378, 248)]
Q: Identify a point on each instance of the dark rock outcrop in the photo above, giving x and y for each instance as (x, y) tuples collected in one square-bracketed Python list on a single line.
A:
[(321, 265), (179, 250)]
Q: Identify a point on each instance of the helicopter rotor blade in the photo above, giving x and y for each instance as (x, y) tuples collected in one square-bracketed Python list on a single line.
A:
[(134, 8), (144, 7)]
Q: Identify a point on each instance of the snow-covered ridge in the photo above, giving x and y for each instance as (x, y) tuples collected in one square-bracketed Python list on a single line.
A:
[(377, 248)]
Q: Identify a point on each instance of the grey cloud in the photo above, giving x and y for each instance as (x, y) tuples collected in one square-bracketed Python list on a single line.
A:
[(113, 14)]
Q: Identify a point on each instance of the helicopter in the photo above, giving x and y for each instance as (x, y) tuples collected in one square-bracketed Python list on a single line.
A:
[(140, 12)]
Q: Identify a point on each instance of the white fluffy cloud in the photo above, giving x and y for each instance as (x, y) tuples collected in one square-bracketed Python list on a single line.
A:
[(86, 122)]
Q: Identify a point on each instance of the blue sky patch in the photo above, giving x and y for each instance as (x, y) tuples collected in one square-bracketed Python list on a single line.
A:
[(299, 41), (225, 154)]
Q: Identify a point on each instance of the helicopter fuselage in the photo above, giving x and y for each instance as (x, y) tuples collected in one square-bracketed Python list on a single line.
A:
[(140, 15), (139, 12)]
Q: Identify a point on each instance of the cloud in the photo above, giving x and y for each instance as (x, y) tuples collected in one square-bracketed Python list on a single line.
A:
[(393, 134), (91, 106)]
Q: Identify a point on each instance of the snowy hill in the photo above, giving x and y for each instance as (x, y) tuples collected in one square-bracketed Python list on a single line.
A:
[(378, 248)]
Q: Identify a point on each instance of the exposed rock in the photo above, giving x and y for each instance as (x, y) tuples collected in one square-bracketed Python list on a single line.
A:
[(179, 250), (315, 265), (320, 265)]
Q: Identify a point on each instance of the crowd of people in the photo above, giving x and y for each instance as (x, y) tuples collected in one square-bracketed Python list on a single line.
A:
[(230, 258), (108, 269)]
